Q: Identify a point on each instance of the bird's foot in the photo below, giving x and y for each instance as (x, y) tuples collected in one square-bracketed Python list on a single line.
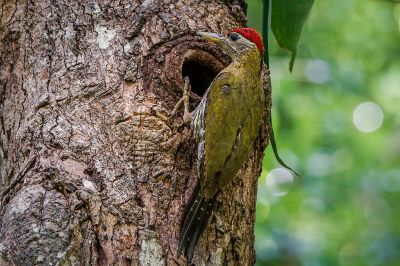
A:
[(187, 116)]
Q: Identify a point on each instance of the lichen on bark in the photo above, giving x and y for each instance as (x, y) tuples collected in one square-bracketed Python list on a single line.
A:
[(92, 170)]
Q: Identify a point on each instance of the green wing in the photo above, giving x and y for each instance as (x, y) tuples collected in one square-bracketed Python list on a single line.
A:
[(233, 116)]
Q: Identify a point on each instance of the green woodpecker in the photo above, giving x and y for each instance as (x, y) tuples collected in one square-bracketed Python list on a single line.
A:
[(225, 125)]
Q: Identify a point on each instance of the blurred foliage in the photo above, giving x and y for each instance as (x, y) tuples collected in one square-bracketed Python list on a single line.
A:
[(345, 208), (287, 21)]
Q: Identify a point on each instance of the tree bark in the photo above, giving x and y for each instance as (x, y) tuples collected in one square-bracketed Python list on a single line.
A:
[(93, 172)]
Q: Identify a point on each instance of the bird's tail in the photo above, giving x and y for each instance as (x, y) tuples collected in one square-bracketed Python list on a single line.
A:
[(195, 218)]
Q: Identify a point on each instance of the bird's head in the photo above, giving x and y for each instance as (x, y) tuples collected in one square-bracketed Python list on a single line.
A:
[(237, 42)]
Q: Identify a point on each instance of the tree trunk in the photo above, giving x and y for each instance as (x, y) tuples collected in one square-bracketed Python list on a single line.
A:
[(92, 170)]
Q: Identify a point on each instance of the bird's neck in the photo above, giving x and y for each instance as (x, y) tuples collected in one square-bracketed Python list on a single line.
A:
[(250, 61)]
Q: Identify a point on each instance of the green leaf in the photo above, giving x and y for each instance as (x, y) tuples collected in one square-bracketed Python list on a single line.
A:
[(287, 20)]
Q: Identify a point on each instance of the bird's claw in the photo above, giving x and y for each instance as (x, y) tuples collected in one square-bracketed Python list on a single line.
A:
[(187, 116)]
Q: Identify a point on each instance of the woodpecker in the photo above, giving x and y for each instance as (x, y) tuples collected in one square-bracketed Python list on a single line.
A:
[(225, 125)]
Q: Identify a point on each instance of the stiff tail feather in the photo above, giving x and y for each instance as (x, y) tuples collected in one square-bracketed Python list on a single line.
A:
[(195, 218)]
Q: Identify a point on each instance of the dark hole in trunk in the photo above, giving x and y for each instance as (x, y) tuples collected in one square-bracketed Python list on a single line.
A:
[(200, 75), (201, 68)]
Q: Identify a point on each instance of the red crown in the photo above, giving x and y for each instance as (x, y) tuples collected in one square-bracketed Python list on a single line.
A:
[(253, 36)]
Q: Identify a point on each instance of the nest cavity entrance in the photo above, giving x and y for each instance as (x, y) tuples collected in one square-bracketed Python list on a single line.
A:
[(201, 68)]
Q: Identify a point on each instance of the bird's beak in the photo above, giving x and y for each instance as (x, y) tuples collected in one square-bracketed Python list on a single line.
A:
[(214, 37)]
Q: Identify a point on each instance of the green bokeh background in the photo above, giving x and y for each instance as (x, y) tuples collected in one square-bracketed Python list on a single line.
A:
[(345, 210)]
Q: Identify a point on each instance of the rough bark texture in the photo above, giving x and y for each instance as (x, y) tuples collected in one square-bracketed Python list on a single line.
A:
[(92, 170)]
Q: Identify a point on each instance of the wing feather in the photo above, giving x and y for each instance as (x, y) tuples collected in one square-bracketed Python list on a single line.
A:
[(230, 126)]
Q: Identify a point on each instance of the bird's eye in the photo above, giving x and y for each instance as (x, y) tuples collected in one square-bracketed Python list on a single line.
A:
[(233, 36)]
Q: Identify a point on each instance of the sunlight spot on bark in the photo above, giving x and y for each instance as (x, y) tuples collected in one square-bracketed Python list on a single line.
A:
[(89, 185), (96, 9), (40, 258), (68, 31), (127, 47), (2, 249), (35, 228), (151, 253), (104, 36)]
